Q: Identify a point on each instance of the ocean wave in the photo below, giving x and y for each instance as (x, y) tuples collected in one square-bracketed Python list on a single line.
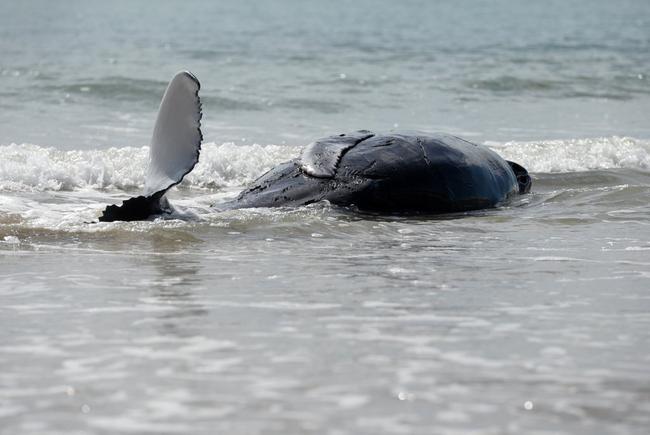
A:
[(615, 87), (28, 167), (575, 155), (113, 88)]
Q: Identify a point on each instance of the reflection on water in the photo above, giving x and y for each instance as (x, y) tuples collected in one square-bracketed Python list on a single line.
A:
[(177, 278)]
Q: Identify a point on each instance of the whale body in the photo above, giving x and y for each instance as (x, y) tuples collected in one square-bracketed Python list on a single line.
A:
[(409, 172), (394, 172)]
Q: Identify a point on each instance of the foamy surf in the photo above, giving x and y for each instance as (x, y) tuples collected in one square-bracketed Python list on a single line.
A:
[(576, 155), (34, 168)]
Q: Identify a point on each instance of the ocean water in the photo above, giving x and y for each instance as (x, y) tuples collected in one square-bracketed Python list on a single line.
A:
[(530, 318)]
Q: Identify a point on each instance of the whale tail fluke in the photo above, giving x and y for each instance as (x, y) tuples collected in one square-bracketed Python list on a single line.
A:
[(174, 150)]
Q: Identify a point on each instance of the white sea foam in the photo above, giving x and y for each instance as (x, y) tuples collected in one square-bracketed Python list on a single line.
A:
[(36, 168), (575, 155), (28, 167)]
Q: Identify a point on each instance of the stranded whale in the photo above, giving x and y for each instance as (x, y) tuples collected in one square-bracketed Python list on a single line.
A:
[(390, 173)]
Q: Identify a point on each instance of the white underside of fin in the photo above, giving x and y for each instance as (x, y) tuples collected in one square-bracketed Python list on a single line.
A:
[(176, 140)]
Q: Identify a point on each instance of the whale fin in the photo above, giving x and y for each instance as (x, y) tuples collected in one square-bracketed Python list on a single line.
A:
[(523, 179), (174, 150), (320, 159), (176, 140)]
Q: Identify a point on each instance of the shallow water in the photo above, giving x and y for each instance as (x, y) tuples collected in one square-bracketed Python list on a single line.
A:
[(533, 316), (529, 318)]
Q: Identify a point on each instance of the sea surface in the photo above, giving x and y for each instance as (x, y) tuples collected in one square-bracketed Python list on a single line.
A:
[(532, 318)]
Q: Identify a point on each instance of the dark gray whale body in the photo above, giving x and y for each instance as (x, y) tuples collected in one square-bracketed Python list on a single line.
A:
[(385, 173), (390, 173)]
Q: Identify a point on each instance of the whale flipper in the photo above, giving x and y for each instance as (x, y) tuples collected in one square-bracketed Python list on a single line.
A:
[(174, 150), (176, 140), (320, 159)]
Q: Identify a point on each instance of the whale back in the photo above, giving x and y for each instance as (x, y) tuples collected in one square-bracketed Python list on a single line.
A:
[(427, 172)]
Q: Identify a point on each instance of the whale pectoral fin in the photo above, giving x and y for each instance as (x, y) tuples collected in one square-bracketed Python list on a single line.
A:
[(523, 178), (174, 150), (321, 158), (176, 140)]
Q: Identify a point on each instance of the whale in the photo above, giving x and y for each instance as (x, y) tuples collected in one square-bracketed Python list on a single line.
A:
[(388, 173)]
